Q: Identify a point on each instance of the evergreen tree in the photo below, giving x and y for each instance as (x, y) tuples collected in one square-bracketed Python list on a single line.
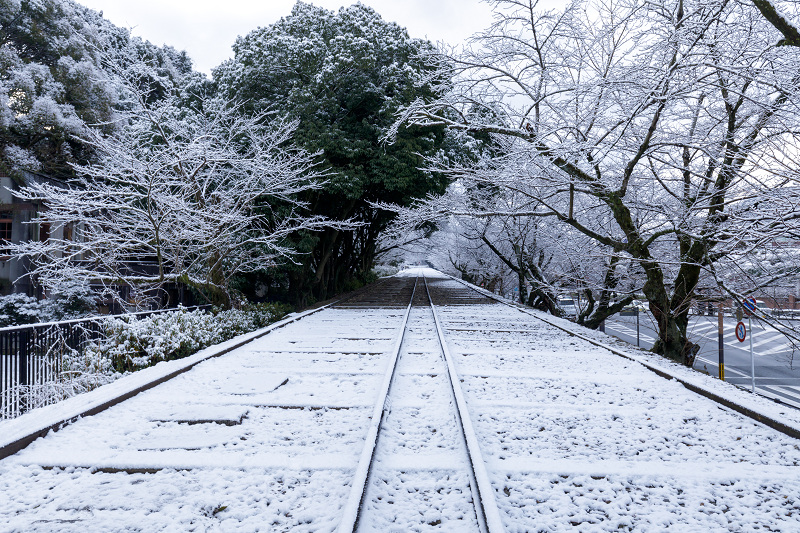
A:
[(54, 84), (344, 76)]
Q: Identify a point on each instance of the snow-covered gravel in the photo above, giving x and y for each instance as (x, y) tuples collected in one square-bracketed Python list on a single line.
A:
[(266, 438), (420, 478)]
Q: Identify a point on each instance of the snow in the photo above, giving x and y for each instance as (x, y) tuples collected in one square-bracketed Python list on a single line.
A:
[(762, 406), (268, 437), (44, 418), (420, 480)]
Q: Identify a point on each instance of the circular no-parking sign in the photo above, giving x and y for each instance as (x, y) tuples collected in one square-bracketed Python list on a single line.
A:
[(741, 331)]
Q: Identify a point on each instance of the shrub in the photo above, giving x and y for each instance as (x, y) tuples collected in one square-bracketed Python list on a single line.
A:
[(133, 343), (67, 301), (18, 309)]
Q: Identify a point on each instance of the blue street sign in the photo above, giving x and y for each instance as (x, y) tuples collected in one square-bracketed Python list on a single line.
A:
[(741, 332)]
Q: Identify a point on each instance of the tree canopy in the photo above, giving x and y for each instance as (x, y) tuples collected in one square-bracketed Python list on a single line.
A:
[(344, 76), (54, 85), (174, 197), (660, 132)]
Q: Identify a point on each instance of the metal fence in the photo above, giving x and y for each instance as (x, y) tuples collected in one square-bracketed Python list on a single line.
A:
[(33, 355)]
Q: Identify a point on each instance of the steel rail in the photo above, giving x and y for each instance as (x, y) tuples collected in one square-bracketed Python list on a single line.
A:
[(352, 508), (484, 498)]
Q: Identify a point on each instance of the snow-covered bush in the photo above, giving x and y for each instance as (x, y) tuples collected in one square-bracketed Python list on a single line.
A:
[(382, 270), (69, 300), (133, 343), (20, 309)]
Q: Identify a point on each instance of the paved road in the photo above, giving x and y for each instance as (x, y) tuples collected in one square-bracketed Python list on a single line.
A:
[(776, 376)]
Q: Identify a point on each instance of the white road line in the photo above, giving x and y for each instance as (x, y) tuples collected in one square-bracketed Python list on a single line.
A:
[(782, 348), (702, 328), (629, 332), (709, 336), (791, 390), (730, 343), (728, 369), (770, 392), (767, 341)]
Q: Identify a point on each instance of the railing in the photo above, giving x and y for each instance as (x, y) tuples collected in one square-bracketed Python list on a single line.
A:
[(32, 356)]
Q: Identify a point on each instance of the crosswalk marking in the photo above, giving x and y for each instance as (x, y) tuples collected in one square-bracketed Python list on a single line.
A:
[(702, 328), (767, 341), (788, 395), (787, 347), (708, 331), (630, 332)]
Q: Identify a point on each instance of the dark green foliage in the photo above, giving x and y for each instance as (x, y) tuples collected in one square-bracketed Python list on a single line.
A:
[(345, 76), (54, 84)]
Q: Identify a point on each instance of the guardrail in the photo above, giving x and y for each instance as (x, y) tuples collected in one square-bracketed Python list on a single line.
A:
[(32, 355)]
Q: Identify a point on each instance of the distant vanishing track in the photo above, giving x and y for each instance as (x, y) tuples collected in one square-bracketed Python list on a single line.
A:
[(486, 514)]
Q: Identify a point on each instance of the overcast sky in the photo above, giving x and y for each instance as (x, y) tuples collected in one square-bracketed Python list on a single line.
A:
[(206, 29)]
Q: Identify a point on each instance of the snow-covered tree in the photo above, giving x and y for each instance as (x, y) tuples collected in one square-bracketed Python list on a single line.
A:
[(488, 233), (53, 83), (774, 12), (653, 129), (343, 75), (187, 190)]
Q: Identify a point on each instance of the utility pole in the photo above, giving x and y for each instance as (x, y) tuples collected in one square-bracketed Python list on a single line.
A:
[(721, 334)]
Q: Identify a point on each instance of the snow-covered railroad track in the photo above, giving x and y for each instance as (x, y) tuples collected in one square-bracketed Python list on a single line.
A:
[(268, 437), (582, 439), (421, 468)]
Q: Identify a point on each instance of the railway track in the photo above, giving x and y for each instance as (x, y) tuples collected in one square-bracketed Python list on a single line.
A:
[(417, 405), (421, 457)]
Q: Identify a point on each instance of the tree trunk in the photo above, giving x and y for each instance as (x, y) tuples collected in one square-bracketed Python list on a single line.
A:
[(672, 340), (672, 320)]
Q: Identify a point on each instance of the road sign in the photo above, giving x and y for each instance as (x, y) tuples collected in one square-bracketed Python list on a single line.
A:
[(750, 304), (741, 331)]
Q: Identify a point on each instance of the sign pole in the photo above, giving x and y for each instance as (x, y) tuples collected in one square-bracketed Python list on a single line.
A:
[(752, 359), (721, 345)]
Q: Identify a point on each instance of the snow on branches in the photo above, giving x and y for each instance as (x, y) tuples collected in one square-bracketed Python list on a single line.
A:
[(657, 131), (188, 189)]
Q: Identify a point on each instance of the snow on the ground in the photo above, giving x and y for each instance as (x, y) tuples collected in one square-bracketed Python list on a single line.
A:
[(262, 439), (765, 407), (581, 438), (266, 438), (57, 414), (420, 479)]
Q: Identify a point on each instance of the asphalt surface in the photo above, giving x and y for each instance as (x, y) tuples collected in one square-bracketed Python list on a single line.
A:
[(777, 372)]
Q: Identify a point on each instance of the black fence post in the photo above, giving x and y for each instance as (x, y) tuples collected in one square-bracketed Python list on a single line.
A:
[(22, 352), (22, 340)]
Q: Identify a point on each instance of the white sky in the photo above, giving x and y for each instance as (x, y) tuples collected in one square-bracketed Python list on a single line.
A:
[(206, 29)]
